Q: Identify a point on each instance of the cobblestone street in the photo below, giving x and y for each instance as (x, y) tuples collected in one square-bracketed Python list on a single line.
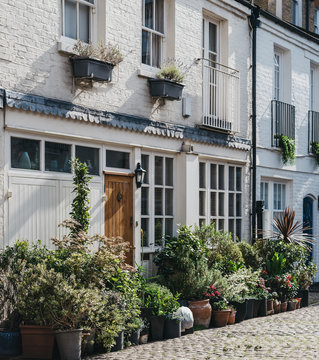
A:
[(290, 335)]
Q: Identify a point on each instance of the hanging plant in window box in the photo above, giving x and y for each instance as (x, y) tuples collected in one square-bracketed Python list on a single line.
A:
[(287, 146), (168, 82), (315, 150), (95, 62)]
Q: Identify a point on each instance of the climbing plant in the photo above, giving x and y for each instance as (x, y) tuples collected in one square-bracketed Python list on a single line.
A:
[(287, 146), (315, 150)]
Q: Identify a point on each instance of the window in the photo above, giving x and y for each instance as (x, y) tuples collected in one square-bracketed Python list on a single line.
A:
[(277, 75), (316, 21), (117, 159), (220, 196), (152, 32), (25, 153), (77, 19), (157, 209), (296, 12), (57, 157), (89, 156), (279, 198), (264, 194)]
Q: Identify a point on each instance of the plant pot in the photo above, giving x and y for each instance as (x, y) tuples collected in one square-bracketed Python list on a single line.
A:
[(292, 305), (256, 308), (10, 343), (37, 341), (172, 329), (134, 338), (283, 306), (220, 317), (298, 302), (143, 339), (157, 327), (88, 342), (270, 307), (91, 69), (202, 312), (262, 311), (277, 307), (119, 342), (146, 313), (241, 309), (166, 89), (232, 317), (304, 295), (250, 309), (69, 343)]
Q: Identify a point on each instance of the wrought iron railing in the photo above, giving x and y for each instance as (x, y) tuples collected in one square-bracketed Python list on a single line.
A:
[(220, 96), (313, 127), (282, 120)]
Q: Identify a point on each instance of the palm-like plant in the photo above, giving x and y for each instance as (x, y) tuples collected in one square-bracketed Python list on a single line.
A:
[(289, 230)]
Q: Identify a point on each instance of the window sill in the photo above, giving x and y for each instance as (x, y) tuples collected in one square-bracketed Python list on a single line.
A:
[(65, 45), (148, 72)]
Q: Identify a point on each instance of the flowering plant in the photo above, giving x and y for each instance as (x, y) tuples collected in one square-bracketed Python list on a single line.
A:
[(217, 301), (285, 285), (262, 291)]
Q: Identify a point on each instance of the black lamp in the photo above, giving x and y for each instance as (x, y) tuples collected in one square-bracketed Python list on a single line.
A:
[(139, 175)]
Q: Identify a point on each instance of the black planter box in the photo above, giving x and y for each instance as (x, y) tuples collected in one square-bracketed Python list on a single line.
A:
[(119, 342), (157, 328), (166, 89), (241, 309), (92, 69), (304, 295), (250, 309), (172, 329), (262, 307)]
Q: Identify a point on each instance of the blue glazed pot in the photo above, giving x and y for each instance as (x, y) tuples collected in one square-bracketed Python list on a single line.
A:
[(10, 343)]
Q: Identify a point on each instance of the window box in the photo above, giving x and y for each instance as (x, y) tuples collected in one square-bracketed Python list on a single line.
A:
[(166, 89), (92, 69)]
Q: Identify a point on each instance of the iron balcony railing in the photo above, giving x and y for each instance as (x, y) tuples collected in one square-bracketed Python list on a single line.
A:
[(282, 120), (313, 128), (220, 96)]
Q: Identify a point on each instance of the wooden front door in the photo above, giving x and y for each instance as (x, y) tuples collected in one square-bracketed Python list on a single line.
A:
[(119, 209)]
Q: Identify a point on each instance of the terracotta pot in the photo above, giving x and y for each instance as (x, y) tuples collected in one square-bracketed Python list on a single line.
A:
[(220, 317), (232, 317), (277, 307), (284, 306), (37, 341), (270, 307), (292, 305), (202, 312), (298, 302)]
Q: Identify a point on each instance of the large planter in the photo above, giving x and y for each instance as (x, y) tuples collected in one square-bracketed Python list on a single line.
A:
[(10, 343), (304, 294), (292, 305), (172, 329), (69, 344), (270, 307), (166, 89), (262, 311), (91, 69), (256, 308), (134, 338), (232, 317), (277, 307), (37, 341), (157, 327), (119, 342), (241, 309), (250, 309), (283, 306), (220, 317), (202, 312)]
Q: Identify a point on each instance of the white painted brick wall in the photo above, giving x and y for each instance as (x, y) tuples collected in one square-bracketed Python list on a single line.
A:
[(2, 199)]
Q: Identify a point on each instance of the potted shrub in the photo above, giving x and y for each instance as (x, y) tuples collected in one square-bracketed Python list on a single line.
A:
[(304, 276), (168, 84), (232, 316), (221, 313), (95, 62)]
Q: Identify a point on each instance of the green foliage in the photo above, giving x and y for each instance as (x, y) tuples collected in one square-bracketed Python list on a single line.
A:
[(219, 305), (80, 208), (277, 264), (315, 150), (305, 274), (249, 255), (171, 71), (287, 146)]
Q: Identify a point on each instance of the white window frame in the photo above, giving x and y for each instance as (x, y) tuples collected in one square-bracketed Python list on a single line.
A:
[(151, 186), (206, 51), (92, 11), (206, 192), (316, 21), (313, 87), (296, 12), (278, 75), (154, 32)]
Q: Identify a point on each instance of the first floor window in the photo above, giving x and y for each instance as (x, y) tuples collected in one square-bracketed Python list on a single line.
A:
[(77, 19), (157, 201), (25, 153), (90, 157), (220, 196), (57, 157), (316, 21)]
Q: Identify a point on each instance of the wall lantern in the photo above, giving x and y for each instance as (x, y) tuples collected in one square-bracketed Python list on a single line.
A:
[(139, 175)]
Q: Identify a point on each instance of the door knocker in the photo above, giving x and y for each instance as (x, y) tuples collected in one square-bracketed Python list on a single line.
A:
[(119, 196)]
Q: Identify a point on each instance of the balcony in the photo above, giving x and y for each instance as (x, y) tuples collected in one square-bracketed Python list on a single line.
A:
[(282, 121), (313, 127), (220, 97)]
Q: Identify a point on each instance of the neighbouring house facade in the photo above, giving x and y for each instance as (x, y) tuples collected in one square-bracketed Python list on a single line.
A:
[(196, 151)]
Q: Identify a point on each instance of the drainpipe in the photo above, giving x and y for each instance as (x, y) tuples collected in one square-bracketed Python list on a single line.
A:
[(254, 23)]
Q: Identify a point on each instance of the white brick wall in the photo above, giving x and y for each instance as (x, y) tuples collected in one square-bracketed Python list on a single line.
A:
[(2, 198)]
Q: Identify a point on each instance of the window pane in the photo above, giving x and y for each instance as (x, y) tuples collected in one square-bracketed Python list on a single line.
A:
[(212, 37), (144, 199), (168, 227), (146, 47), (213, 176), (238, 204), (231, 178), (117, 159), (201, 222), (57, 157), (25, 154), (84, 25), (70, 19), (231, 204), (275, 197), (238, 229), (279, 196), (202, 203), (158, 201), (158, 170), (221, 204), (221, 177), (159, 16), (144, 225), (202, 175), (213, 206), (158, 232), (145, 166), (220, 224), (238, 179), (169, 172), (148, 13), (89, 156), (168, 202), (266, 196), (156, 50), (231, 224), (283, 196)]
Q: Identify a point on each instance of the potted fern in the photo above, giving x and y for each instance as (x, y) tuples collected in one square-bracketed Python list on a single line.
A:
[(287, 146), (95, 62), (168, 82)]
